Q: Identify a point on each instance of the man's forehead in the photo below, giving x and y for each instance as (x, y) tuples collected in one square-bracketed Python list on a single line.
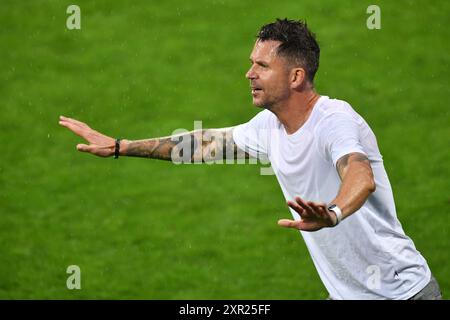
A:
[(267, 49)]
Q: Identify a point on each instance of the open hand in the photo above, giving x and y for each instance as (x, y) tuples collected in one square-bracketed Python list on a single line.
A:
[(99, 144), (315, 216)]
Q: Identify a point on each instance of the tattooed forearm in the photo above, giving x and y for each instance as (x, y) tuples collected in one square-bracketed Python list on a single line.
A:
[(196, 146), (342, 163), (159, 148)]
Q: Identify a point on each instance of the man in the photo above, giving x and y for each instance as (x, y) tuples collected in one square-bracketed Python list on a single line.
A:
[(326, 159)]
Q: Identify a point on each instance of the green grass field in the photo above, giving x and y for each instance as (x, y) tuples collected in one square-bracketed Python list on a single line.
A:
[(146, 229)]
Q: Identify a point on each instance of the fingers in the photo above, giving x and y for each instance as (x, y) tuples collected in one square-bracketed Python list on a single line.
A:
[(296, 207), (314, 215), (84, 147), (303, 204), (301, 207), (73, 121), (74, 128), (299, 225), (77, 127), (312, 208), (318, 208), (286, 223)]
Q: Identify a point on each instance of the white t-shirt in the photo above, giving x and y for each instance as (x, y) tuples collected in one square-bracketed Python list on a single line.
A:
[(368, 255)]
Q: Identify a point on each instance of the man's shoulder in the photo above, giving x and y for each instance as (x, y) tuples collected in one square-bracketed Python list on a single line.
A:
[(331, 105), (330, 109)]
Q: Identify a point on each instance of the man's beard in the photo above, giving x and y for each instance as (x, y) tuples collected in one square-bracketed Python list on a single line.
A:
[(270, 104)]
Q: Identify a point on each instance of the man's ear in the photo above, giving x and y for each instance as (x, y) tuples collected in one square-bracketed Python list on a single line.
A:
[(298, 76)]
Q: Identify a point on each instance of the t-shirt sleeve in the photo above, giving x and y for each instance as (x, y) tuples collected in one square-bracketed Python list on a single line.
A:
[(338, 135), (252, 136)]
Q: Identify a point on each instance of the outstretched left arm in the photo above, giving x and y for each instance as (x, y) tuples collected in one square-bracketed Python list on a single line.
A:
[(357, 184)]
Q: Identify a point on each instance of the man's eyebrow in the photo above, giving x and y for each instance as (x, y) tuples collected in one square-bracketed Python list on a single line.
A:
[(260, 62)]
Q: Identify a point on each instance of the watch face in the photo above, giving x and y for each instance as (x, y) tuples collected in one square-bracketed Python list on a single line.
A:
[(331, 207)]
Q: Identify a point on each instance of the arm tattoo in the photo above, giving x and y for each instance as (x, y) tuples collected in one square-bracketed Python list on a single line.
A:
[(152, 148), (343, 162), (218, 144), (195, 146)]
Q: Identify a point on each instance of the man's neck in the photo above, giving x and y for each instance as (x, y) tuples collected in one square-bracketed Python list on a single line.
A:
[(294, 112)]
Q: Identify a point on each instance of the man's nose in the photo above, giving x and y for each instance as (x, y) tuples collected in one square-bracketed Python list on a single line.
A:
[(250, 74)]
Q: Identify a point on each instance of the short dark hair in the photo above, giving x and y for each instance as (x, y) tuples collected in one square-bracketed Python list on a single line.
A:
[(298, 43)]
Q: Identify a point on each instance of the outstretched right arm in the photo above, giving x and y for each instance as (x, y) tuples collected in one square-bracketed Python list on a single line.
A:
[(196, 146)]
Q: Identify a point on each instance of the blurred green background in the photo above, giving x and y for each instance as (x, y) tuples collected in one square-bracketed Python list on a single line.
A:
[(146, 229)]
